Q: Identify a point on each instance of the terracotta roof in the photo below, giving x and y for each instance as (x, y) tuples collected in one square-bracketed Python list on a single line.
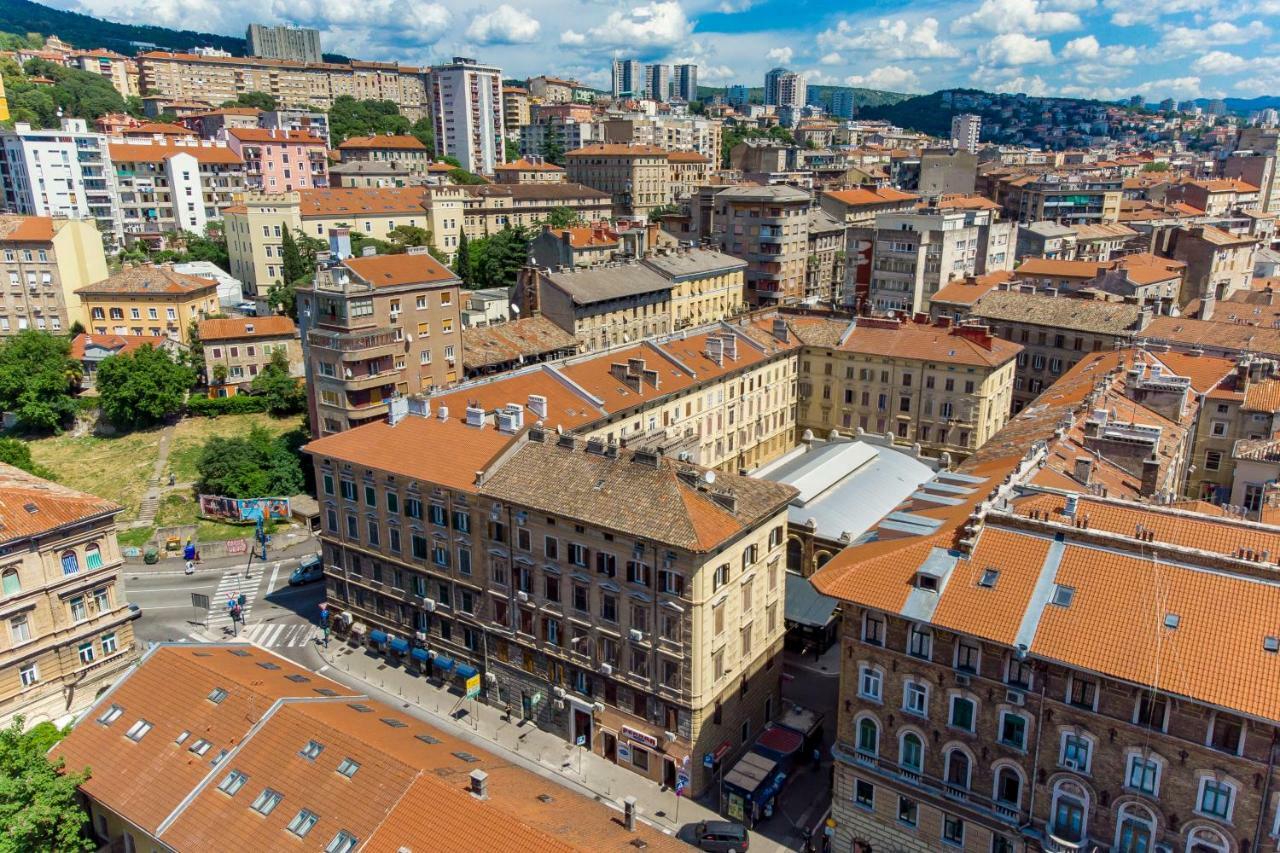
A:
[(584, 236), (403, 269), (230, 328), (147, 279), (26, 229), (1104, 231), (1056, 268), (152, 128), (568, 405), (928, 342), (523, 165), (687, 157), (399, 143), (30, 505), (1257, 449), (869, 195), (273, 135), (969, 291), (1206, 372), (1112, 318), (1225, 185), (360, 201), (966, 202), (651, 501), (1263, 396), (610, 150), (158, 152), (1212, 335), (526, 337), (117, 344)]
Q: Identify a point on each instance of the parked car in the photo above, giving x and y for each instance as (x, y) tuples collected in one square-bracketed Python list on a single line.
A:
[(249, 309), (309, 570), (720, 836)]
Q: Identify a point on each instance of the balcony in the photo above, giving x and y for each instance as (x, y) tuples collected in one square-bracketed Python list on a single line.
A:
[(356, 346), (357, 381)]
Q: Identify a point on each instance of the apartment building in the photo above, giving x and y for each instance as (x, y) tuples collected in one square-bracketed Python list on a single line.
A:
[(386, 148), (636, 176), (1238, 402), (466, 106), (861, 205), (768, 227), (783, 88), (215, 80), (1070, 200), (375, 328), (64, 172), (706, 286), (255, 227), (1218, 262), (944, 388), (524, 171), (45, 262), (280, 160), (628, 78), (307, 121), (68, 632), (489, 208), (552, 90), (1055, 333), (149, 299), (119, 70), (657, 82), (567, 133), (965, 130), (684, 83), (672, 133), (604, 306), (300, 44), (984, 628), (828, 250), (1148, 280), (688, 170), (237, 349), (175, 185), (575, 246), (515, 109), (1215, 197)]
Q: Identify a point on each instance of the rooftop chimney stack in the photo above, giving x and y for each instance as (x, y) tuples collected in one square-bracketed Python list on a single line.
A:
[(480, 784)]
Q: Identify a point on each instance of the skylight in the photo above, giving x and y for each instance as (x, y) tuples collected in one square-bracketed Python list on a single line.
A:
[(217, 695), (989, 578), (138, 731), (1063, 595), (312, 749), (1171, 620)]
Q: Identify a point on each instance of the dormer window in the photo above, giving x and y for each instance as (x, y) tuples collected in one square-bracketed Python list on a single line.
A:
[(929, 583)]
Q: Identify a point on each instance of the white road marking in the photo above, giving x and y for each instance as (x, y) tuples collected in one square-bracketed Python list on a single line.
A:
[(275, 572)]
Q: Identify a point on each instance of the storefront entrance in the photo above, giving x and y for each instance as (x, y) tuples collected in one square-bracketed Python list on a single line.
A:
[(582, 727), (668, 772), (610, 746)]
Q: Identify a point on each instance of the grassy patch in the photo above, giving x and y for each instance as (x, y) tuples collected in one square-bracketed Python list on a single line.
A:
[(112, 468), (190, 435), (135, 536), (217, 531)]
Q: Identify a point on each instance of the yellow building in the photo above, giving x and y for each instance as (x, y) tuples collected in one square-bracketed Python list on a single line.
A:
[(67, 632), (706, 286), (149, 299), (4, 103), (44, 262)]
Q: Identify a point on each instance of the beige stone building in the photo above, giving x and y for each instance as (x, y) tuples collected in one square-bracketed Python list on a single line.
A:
[(67, 631), (605, 306), (149, 299), (515, 108), (1219, 263), (946, 388), (121, 71), (636, 176), (769, 228), (688, 171), (707, 286), (492, 207), (375, 328), (387, 148), (237, 349), (173, 184), (828, 254), (44, 262), (528, 171)]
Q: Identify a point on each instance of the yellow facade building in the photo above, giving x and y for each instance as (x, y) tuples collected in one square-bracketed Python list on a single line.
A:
[(149, 299), (43, 262)]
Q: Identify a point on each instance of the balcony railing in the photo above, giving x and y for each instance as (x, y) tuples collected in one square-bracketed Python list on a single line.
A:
[(350, 341)]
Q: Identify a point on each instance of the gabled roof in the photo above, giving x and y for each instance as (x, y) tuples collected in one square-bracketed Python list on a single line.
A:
[(279, 136), (526, 337), (870, 195), (399, 143), (232, 328), (1112, 318), (30, 505), (149, 279), (26, 229), (117, 344), (523, 165), (158, 152), (397, 270), (359, 201), (601, 149)]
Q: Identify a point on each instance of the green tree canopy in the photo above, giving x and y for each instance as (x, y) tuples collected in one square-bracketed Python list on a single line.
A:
[(39, 807), (563, 217), (291, 263), (425, 133), (349, 117), (284, 394), (37, 377), (458, 175), (142, 387), (77, 93), (553, 151), (17, 453), (256, 465), (495, 261), (260, 100)]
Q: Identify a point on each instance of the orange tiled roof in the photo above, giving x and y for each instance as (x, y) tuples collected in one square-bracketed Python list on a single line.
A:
[(523, 165), (399, 143), (30, 506), (966, 202), (969, 291), (118, 344), (146, 279), (1263, 396), (359, 201), (270, 135), (687, 157), (271, 326), (158, 152), (1054, 267), (926, 341), (151, 128), (870, 195), (613, 150), (404, 269), (26, 229)]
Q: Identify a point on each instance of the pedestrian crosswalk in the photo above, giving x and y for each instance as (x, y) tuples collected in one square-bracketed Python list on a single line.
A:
[(280, 635), (231, 585)]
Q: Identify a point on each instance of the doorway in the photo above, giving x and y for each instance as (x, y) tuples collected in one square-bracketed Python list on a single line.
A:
[(610, 746), (668, 772), (582, 727), (526, 705)]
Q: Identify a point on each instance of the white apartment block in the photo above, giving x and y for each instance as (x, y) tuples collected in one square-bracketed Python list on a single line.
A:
[(628, 77), (466, 101), (63, 173), (965, 130), (657, 82)]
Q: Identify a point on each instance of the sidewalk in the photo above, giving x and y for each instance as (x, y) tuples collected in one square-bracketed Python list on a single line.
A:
[(284, 546), (598, 776)]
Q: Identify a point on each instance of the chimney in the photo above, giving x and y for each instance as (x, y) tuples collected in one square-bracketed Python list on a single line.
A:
[(479, 784), (444, 413), (780, 330), (629, 813), (1084, 469), (538, 405), (1069, 509), (1150, 476)]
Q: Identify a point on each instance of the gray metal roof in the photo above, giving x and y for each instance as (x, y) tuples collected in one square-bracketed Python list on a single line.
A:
[(776, 192), (600, 284), (693, 262), (805, 605)]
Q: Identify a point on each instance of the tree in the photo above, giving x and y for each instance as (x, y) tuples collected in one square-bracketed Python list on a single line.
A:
[(256, 465), (76, 329), (142, 387), (552, 151), (462, 263), (284, 394), (259, 100), (349, 117), (1155, 167), (496, 260), (77, 93), (563, 217), (404, 236), (424, 132), (459, 175), (662, 210), (292, 267), (18, 454), (39, 805), (511, 151), (37, 377)]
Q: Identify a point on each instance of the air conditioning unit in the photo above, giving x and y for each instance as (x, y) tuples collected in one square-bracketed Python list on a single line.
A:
[(1071, 764), (598, 707), (559, 691), (670, 736), (429, 604), (637, 635), (420, 636), (1015, 697), (522, 517), (962, 678), (522, 595), (606, 669)]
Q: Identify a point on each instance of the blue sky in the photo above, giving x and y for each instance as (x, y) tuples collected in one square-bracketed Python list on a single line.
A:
[(1084, 48)]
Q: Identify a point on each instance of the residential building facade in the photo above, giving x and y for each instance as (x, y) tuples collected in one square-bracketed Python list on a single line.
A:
[(149, 299), (280, 160), (466, 106), (768, 227), (636, 176), (299, 44), (173, 186), (237, 349), (45, 262)]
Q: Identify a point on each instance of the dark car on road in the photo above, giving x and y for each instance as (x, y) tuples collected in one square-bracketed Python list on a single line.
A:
[(720, 836), (309, 570)]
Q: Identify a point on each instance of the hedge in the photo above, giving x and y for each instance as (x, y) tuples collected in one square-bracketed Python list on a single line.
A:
[(239, 404)]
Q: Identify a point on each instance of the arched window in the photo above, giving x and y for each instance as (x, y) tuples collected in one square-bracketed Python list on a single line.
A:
[(92, 556), (10, 583), (868, 736), (822, 558), (795, 555), (70, 563), (1206, 840), (957, 768), (911, 752), (1009, 786), (1068, 813), (1135, 829)]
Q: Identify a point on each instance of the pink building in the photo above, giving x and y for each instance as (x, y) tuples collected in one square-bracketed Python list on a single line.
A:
[(277, 160)]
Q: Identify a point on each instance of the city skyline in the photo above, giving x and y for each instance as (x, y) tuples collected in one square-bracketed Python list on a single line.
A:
[(1076, 48)]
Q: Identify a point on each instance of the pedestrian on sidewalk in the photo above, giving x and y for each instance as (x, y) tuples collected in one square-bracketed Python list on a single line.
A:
[(191, 567)]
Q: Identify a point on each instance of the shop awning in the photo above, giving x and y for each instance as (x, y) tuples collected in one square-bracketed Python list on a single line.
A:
[(420, 654), (399, 645), (805, 605), (466, 671), (378, 636), (443, 661)]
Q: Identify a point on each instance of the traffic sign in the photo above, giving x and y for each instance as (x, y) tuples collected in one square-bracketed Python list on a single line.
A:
[(473, 687), (580, 740)]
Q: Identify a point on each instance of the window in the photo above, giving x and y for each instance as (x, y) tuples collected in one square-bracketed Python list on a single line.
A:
[(1018, 674), (1215, 798), (266, 801), (911, 752), (138, 730), (1075, 752), (1008, 787), (962, 713), (967, 656), (79, 612), (200, 747), (873, 629), (19, 629), (234, 782), (1212, 460), (908, 811), (110, 715), (551, 547), (1013, 730), (86, 653), (915, 698), (920, 642), (1067, 813), (302, 823), (1151, 711), (870, 683), (312, 750), (1135, 829), (1226, 733), (721, 577), (70, 563), (1082, 692), (864, 793), (958, 767), (108, 642), (1143, 773), (29, 674), (102, 599), (868, 736), (953, 830), (10, 583), (343, 842), (92, 556), (348, 768)]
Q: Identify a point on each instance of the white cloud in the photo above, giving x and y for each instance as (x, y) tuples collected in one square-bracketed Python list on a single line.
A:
[(1220, 62), (1033, 86), (1016, 16), (1010, 49), (732, 7), (504, 25), (1223, 32), (892, 78), (1172, 87), (832, 58), (572, 37), (1071, 5), (890, 38), (780, 55), (649, 25), (385, 22), (1127, 13), (1085, 47)]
